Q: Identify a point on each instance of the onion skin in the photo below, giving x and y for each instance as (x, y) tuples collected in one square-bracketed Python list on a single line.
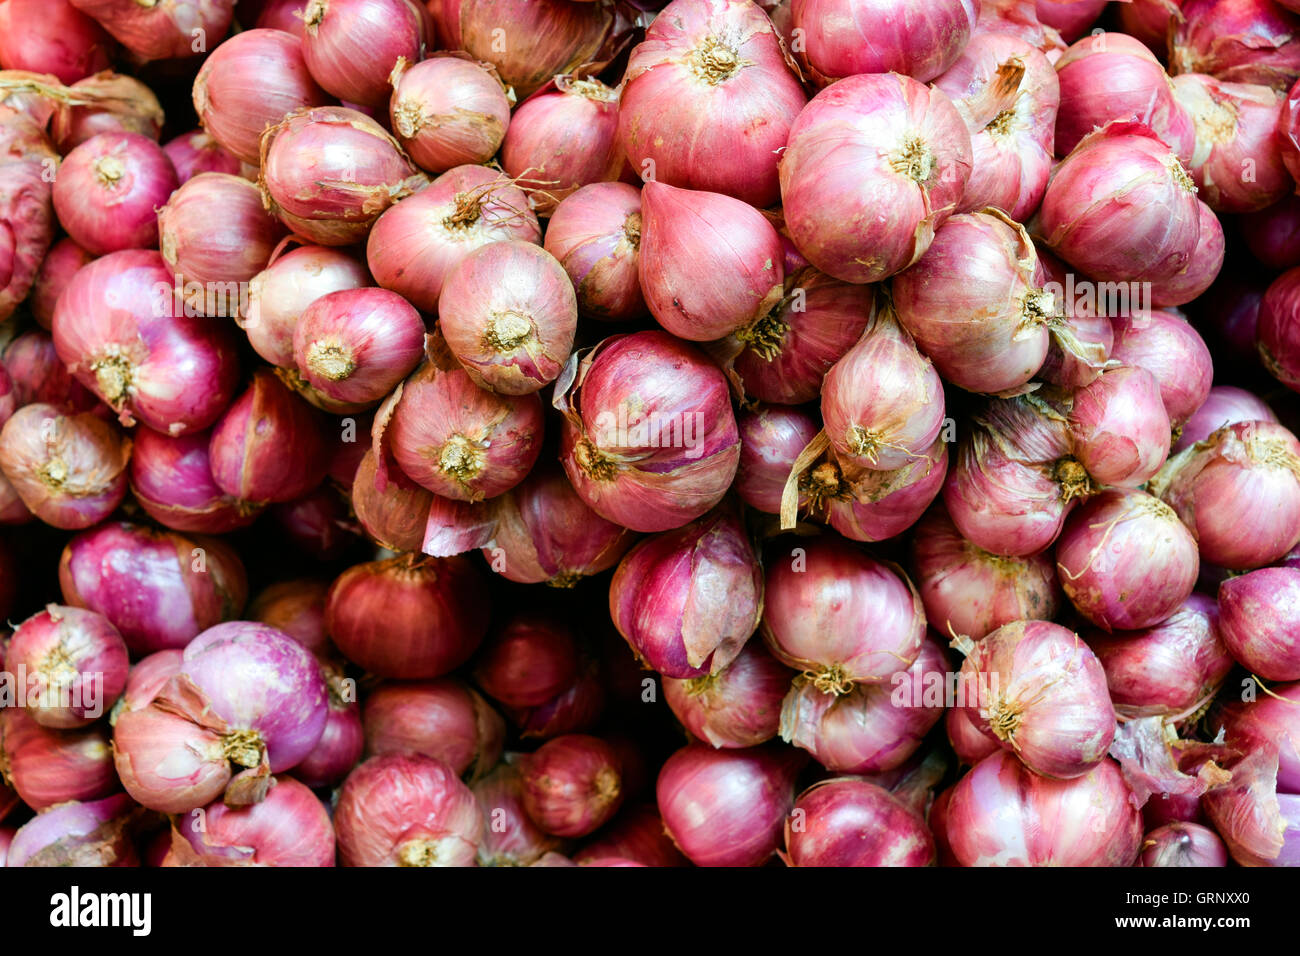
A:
[(297, 608), (70, 471), (1201, 270), (291, 827), (1001, 814), (69, 655), (1225, 405), (407, 810), (442, 718), (1183, 844), (318, 524), (146, 679), (197, 152), (1279, 329), (94, 834), (850, 822), (572, 785), (738, 707), (1120, 426), (60, 265), (595, 234), (443, 619), (340, 745), (48, 767), (160, 32), (910, 153), (878, 505), (1169, 348), (117, 104), (1273, 234), (171, 479), (708, 101), (52, 37), (395, 517), (528, 662), (351, 46), (26, 212), (576, 709), (447, 111), (1238, 41), (727, 807), (636, 834), (510, 838), (771, 438), (1257, 614), (38, 375), (160, 589), (250, 82), (969, 742), (1272, 720)]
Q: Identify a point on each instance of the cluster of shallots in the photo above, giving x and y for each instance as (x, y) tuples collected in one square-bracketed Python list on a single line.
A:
[(646, 433)]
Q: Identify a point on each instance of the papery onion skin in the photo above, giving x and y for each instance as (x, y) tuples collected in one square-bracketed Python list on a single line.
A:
[(510, 838), (395, 517), (406, 810), (441, 718), (447, 111), (47, 767), (1002, 814), (59, 266), (117, 104), (1201, 270), (52, 37), (727, 807), (296, 607), (146, 678), (1120, 426), (878, 505), (351, 46), (1183, 844), (1257, 615), (771, 438), (576, 709), (38, 375), (1070, 17), (1224, 405), (158, 32), (94, 834), (26, 213), (291, 827), (910, 153), (738, 707), (171, 479), (572, 785), (197, 152), (76, 665), (595, 234), (850, 822), (1271, 719), (1169, 348), (1238, 41)]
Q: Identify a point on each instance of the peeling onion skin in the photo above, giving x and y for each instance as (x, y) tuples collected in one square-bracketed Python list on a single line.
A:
[(291, 827), (848, 822), (1224, 405), (1238, 41), (771, 438), (1272, 719), (26, 207), (119, 104)]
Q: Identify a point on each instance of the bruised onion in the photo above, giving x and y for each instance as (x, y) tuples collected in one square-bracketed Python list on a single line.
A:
[(52, 36), (572, 785), (171, 478), (48, 767), (291, 827), (1120, 427), (850, 822), (1255, 622), (355, 345), (75, 664), (1238, 41), (740, 706), (59, 266), (107, 102), (438, 718), (595, 234), (197, 152), (449, 111), (351, 46)]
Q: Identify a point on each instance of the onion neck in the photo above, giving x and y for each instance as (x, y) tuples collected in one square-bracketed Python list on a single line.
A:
[(461, 458), (507, 331), (823, 484), (566, 579), (1037, 308), (113, 376), (330, 360), (314, 14), (1180, 174), (1004, 720), (58, 668), (833, 680), (606, 786), (109, 170), (53, 472), (1002, 124), (592, 90), (765, 336), (408, 118), (1073, 478), (913, 159), (594, 463), (713, 61), (243, 747), (422, 852), (632, 230)]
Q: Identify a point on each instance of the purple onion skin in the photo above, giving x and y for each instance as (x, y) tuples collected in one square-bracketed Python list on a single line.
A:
[(171, 478), (1260, 622), (259, 678), (338, 749), (76, 834), (771, 438), (1183, 844), (850, 822), (738, 707)]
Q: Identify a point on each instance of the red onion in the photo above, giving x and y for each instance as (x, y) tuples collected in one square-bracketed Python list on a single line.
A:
[(95, 834), (708, 101), (637, 834), (1271, 720), (107, 102), (60, 265), (171, 478), (595, 234), (727, 807), (850, 822), (158, 588), (528, 662), (146, 679), (416, 244), (873, 728), (197, 152), (1258, 824), (1224, 405), (25, 211), (75, 665), (1183, 844), (575, 709), (1126, 561), (283, 15), (1256, 622), (1170, 669), (107, 191), (52, 36), (1121, 207), (409, 616), (319, 523), (48, 767), (967, 590), (1238, 41), (650, 440), (395, 516), (351, 46), (407, 810), (6, 840), (296, 607), (1149, 21), (121, 332), (740, 706), (1272, 234), (441, 718), (268, 445), (291, 827), (1112, 76), (214, 232), (572, 785), (921, 39), (1119, 425), (340, 744), (154, 31), (831, 610), (969, 742), (882, 402), (1039, 690), (449, 111), (869, 505), (1239, 493), (1201, 270), (70, 470), (771, 439), (900, 147), (510, 837), (1279, 328), (250, 82), (329, 172), (1169, 348), (1002, 814), (38, 375)]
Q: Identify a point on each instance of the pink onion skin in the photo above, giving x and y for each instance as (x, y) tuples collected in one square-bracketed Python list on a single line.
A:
[(61, 639), (59, 266), (1112, 76), (967, 590), (447, 111), (873, 728), (1239, 493), (1237, 41), (26, 213), (351, 46), (563, 137), (510, 838), (576, 709), (708, 101), (1039, 690), (882, 504), (938, 823), (356, 345), (119, 330), (709, 264), (529, 661), (118, 104), (158, 32), (771, 438), (52, 37), (1125, 560), (738, 707), (900, 36), (407, 810), (618, 392), (572, 785), (1257, 614), (1121, 207), (1201, 270), (1288, 131), (1259, 825), (847, 617), (197, 152), (1183, 844), (38, 375), (329, 172), (1002, 814), (443, 615), (280, 293), (727, 807), (160, 589), (1224, 405), (1272, 234), (395, 517), (94, 834), (171, 479), (147, 678), (296, 607), (1279, 329), (1070, 17), (291, 827), (1120, 427), (250, 82), (441, 718), (48, 767), (1169, 348), (888, 115), (1168, 669), (69, 470), (595, 234), (509, 314), (281, 15), (107, 191), (850, 822), (636, 833), (339, 748), (787, 352), (969, 742), (417, 242), (1271, 719), (268, 446)]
